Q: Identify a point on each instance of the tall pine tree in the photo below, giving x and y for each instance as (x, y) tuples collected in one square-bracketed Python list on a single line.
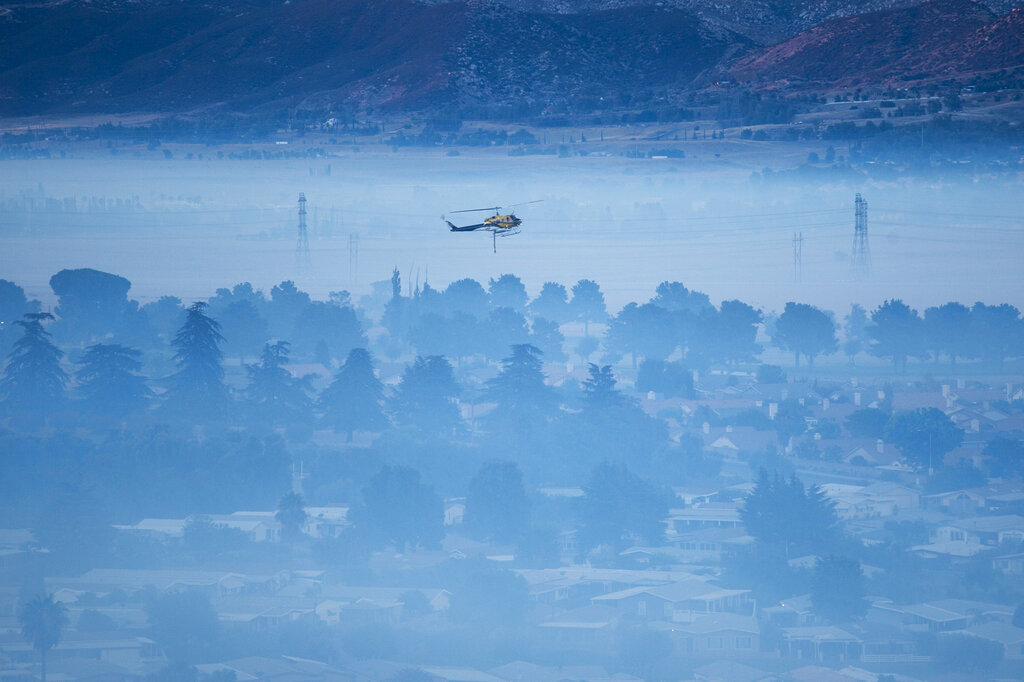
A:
[(34, 381), (109, 381), (353, 400), (519, 388), (425, 397), (197, 389), (274, 396)]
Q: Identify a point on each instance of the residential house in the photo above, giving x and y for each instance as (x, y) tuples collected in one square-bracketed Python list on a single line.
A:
[(678, 601), (1012, 638), (956, 502), (992, 530), (731, 441), (326, 522), (711, 515), (1006, 502), (591, 628), (255, 613), (822, 643), (728, 635), (379, 605), (258, 526), (887, 643), (103, 581), (124, 649), (976, 419), (940, 615), (866, 451), (1009, 564), (710, 545), (581, 583)]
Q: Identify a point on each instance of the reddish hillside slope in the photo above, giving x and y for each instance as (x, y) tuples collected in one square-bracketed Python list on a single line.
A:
[(936, 38)]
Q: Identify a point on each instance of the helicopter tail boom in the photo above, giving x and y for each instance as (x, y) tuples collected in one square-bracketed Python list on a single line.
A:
[(467, 228)]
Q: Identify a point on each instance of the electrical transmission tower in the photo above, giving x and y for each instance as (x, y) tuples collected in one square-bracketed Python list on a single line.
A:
[(861, 252), (302, 262), (798, 256), (353, 258)]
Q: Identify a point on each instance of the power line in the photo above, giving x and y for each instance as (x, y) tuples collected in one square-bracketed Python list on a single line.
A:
[(798, 255)]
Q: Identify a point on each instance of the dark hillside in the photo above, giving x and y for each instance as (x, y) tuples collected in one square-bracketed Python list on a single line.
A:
[(325, 53)]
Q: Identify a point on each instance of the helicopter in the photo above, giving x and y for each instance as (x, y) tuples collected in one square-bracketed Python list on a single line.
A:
[(498, 225)]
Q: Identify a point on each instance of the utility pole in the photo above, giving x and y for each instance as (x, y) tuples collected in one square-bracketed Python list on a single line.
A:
[(861, 263), (798, 255), (302, 262)]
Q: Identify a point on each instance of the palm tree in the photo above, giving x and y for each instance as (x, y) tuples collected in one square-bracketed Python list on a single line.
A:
[(42, 620)]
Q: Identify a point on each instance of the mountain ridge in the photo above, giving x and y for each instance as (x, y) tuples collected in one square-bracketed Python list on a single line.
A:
[(116, 56)]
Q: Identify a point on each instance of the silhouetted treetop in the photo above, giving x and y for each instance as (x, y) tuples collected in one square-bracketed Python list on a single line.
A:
[(507, 292), (425, 397), (587, 304), (923, 435), (552, 303), (33, 379), (197, 388), (896, 332), (353, 400), (805, 330), (109, 381)]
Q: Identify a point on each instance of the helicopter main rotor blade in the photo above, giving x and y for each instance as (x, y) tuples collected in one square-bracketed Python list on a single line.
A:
[(473, 210), (524, 203)]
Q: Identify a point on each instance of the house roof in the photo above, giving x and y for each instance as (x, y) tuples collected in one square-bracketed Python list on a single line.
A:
[(719, 622), (136, 579), (729, 671), (739, 439), (953, 548), (591, 574), (713, 512), (990, 524), (932, 613), (996, 631), (354, 593), (816, 673), (969, 607), (713, 534), (284, 668), (456, 674), (820, 633), (674, 592), (916, 399), (523, 671), (593, 617)]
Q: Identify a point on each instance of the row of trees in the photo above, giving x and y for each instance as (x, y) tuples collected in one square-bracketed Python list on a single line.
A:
[(424, 403), (465, 320), (93, 306)]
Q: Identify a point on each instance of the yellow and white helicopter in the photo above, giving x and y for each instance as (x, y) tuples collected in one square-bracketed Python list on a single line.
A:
[(499, 225)]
